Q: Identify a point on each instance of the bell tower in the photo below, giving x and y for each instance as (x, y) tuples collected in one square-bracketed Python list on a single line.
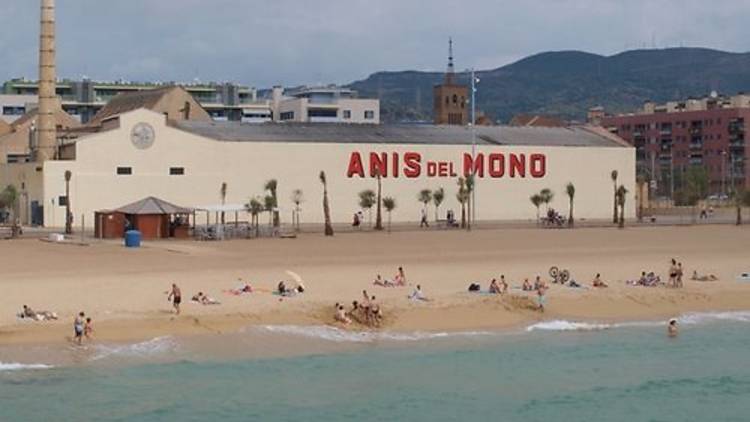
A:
[(450, 99)]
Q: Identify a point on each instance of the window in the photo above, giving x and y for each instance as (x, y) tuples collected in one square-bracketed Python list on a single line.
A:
[(124, 171), (62, 200), (17, 158), (369, 114), (13, 110), (317, 112), (347, 114), (455, 99), (176, 171), (287, 115)]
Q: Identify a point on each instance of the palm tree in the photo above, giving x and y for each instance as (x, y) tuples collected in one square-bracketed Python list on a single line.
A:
[(622, 193), (272, 186), (68, 215), (640, 181), (297, 199), (389, 204), (536, 200), (366, 202), (463, 197), (268, 206), (425, 196), (741, 198), (570, 189), (379, 202), (547, 195), (613, 175), (437, 198), (9, 200), (223, 195), (469, 191), (326, 207), (255, 207)]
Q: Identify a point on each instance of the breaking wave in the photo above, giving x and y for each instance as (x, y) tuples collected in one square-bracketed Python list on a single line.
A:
[(22, 366), (155, 346), (694, 318), (334, 334)]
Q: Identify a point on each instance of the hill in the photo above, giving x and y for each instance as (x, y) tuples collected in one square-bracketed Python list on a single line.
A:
[(567, 83)]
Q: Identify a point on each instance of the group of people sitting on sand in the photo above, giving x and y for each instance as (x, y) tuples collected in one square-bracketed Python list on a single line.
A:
[(282, 289), (28, 313), (649, 279), (495, 288), (399, 280), (365, 312)]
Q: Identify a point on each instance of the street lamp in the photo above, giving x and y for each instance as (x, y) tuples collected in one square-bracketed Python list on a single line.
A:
[(723, 174), (474, 82)]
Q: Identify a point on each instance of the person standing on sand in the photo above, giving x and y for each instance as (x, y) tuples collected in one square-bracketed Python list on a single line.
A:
[(88, 329), (672, 328), (541, 292), (78, 327), (176, 297), (423, 222)]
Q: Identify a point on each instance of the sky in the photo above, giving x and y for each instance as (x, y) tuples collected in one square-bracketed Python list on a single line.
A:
[(292, 42)]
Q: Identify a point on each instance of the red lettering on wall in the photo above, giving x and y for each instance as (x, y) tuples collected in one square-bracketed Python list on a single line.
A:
[(474, 167), (496, 164), (517, 165), (412, 165), (538, 165), (431, 169), (443, 169), (395, 164), (355, 166), (378, 164)]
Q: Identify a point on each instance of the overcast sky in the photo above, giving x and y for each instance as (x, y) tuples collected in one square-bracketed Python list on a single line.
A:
[(263, 43)]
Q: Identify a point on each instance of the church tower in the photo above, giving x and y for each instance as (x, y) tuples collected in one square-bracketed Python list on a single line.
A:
[(450, 98)]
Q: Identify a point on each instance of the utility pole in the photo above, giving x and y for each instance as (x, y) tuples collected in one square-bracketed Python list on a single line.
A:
[(474, 81)]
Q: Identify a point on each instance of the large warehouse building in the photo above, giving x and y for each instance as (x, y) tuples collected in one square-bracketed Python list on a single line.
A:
[(140, 153)]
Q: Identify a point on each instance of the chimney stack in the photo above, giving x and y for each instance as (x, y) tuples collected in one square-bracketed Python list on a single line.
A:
[(46, 125)]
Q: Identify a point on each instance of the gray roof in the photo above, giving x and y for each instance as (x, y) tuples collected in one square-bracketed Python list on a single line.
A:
[(401, 134), (152, 205)]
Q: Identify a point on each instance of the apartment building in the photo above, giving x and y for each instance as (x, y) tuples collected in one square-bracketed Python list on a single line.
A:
[(327, 104), (669, 138)]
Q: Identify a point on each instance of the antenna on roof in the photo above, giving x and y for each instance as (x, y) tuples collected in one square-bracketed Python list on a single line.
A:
[(451, 67)]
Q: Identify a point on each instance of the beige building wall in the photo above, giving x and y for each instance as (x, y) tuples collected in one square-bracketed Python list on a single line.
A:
[(246, 166)]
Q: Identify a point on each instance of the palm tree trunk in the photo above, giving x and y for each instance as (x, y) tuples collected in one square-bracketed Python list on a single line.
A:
[(468, 213), (463, 216), (389, 221), (622, 215), (739, 215), (570, 215), (379, 212), (614, 205), (327, 214)]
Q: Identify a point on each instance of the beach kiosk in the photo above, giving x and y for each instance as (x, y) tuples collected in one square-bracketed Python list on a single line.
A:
[(153, 217)]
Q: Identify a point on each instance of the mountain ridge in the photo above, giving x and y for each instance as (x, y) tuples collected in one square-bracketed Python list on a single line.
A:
[(567, 83)]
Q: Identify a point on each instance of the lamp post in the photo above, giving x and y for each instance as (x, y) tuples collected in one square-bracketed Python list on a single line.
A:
[(723, 173), (474, 82)]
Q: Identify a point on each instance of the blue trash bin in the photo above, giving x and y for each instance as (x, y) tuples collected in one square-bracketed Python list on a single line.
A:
[(132, 239)]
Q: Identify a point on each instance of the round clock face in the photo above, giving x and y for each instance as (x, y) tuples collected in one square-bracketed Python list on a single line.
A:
[(142, 135)]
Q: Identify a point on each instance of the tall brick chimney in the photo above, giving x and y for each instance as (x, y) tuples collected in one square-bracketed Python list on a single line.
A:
[(46, 126)]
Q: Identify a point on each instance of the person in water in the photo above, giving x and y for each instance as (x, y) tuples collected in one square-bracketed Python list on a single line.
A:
[(672, 328), (78, 327)]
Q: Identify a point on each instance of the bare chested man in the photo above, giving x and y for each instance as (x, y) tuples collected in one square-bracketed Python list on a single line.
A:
[(176, 297)]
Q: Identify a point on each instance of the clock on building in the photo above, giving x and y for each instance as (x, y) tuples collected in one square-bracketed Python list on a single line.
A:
[(142, 135)]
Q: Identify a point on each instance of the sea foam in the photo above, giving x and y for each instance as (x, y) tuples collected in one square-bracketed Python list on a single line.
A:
[(693, 318), (334, 334), (22, 366), (155, 346)]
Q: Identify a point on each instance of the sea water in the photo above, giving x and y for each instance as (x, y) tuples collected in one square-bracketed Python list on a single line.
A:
[(551, 371)]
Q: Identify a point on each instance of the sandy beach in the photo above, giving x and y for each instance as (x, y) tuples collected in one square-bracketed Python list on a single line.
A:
[(124, 289)]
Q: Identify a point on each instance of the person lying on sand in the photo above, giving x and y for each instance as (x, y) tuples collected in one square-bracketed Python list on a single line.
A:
[(707, 277), (205, 300), (28, 313), (241, 289), (340, 314), (597, 282), (418, 295), (379, 281), (573, 283)]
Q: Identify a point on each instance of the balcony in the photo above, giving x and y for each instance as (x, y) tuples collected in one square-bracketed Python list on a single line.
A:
[(696, 145), (696, 130)]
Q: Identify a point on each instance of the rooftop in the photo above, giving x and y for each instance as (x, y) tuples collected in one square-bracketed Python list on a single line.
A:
[(582, 136)]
